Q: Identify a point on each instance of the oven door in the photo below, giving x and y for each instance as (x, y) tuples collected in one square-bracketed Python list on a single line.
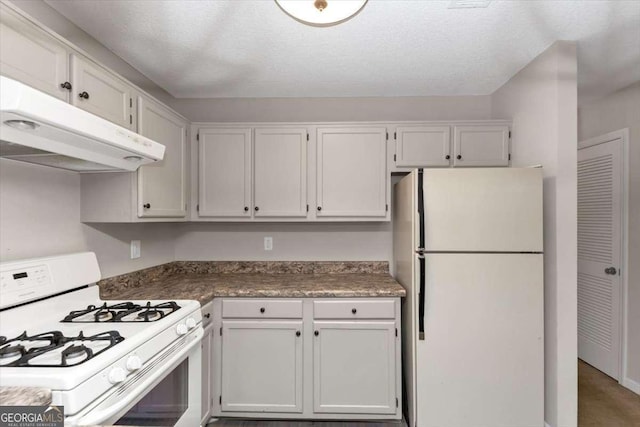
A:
[(167, 394)]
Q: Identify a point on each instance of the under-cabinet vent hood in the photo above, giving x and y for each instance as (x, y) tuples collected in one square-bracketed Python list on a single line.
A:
[(39, 128)]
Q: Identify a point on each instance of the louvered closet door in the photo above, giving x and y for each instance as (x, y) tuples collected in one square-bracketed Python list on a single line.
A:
[(599, 252)]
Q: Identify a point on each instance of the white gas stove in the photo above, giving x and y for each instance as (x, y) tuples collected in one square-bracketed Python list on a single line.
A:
[(106, 362)]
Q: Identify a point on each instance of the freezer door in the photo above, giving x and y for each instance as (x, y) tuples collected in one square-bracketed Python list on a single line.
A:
[(481, 362), (483, 210)]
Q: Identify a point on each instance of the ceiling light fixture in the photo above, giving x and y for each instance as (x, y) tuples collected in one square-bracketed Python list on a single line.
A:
[(321, 13)]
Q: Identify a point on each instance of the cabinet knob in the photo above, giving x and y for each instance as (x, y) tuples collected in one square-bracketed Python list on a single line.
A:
[(147, 206), (354, 311), (447, 157), (65, 85), (262, 310), (208, 315), (459, 157), (246, 208), (319, 208), (83, 95), (297, 333), (611, 270), (256, 209), (316, 333)]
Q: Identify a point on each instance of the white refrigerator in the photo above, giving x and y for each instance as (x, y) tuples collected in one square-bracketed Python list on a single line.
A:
[(468, 249)]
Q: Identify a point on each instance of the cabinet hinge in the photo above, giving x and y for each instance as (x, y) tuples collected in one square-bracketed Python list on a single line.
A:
[(396, 331), (198, 136), (130, 102), (509, 134), (130, 119), (509, 156), (220, 399), (396, 402), (307, 208), (220, 331), (395, 135), (386, 208), (197, 208), (394, 157), (307, 137), (387, 133)]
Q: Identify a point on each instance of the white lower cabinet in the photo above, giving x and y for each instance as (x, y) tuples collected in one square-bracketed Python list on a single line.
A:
[(261, 366), (354, 367), (306, 358)]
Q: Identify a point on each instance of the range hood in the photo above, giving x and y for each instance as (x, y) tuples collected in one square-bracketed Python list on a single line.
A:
[(39, 128)]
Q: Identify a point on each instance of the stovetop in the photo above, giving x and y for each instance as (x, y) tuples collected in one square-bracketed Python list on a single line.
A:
[(122, 312), (54, 349)]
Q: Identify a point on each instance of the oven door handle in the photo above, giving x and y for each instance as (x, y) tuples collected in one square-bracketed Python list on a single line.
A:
[(98, 417)]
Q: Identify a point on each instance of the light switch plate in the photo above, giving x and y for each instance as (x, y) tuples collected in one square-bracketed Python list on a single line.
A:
[(135, 249), (268, 243)]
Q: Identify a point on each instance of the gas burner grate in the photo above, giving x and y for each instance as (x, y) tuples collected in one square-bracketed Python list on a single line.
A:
[(52, 341), (122, 312)]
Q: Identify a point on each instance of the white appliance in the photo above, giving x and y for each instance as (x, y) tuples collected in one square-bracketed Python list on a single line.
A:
[(468, 250), (39, 128), (106, 362)]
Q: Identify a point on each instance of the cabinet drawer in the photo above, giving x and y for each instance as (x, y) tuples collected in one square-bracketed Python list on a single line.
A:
[(262, 308), (354, 309)]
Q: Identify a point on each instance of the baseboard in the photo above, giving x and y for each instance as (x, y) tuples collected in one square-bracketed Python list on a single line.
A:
[(631, 385)]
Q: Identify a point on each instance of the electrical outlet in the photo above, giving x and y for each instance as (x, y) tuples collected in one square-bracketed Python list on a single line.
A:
[(268, 243), (135, 249)]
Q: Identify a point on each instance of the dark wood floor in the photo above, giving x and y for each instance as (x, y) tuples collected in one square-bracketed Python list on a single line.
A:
[(260, 423)]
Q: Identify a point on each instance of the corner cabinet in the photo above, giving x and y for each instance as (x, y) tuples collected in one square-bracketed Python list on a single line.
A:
[(351, 172), (162, 186), (306, 358), (156, 192)]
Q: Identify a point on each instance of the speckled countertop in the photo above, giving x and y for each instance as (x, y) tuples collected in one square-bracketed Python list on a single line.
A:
[(205, 280), (25, 396)]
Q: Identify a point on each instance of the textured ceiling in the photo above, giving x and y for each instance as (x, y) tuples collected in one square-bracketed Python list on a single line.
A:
[(245, 48)]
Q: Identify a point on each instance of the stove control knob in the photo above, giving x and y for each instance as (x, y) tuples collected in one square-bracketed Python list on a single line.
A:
[(190, 322), (117, 375), (182, 329), (134, 363)]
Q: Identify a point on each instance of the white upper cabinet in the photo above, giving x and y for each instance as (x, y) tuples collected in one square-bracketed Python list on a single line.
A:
[(30, 55), (162, 185), (224, 176), (100, 92), (280, 172), (422, 146), (481, 145), (352, 177)]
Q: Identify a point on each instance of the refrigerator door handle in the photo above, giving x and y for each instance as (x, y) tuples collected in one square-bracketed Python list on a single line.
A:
[(421, 298)]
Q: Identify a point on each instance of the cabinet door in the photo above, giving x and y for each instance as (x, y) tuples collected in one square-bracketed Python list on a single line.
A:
[(162, 185), (100, 92), (31, 56), (351, 172), (262, 366), (280, 172), (224, 175), (206, 375), (354, 367), (481, 146), (423, 146)]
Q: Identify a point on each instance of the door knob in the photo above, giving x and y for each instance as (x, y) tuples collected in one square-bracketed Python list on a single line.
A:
[(83, 95), (611, 270)]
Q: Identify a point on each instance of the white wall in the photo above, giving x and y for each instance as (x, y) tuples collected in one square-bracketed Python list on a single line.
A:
[(40, 215), (618, 111), (541, 100)]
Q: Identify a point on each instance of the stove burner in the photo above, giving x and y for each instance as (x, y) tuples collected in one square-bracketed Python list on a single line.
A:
[(54, 340), (150, 315), (122, 312), (12, 351)]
